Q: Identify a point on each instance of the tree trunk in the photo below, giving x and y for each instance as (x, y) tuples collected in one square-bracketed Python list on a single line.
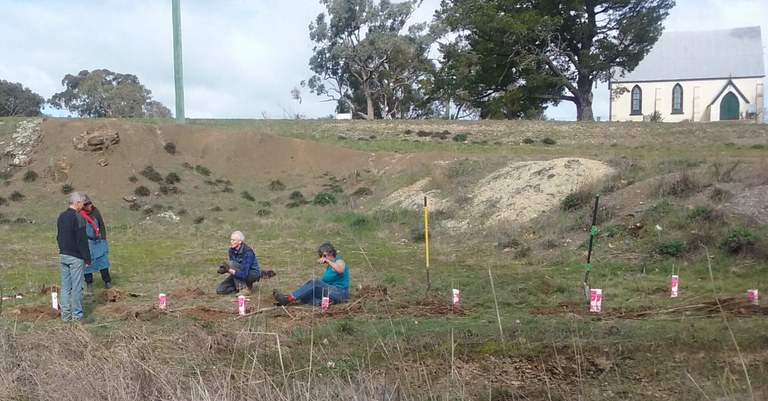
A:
[(583, 99)]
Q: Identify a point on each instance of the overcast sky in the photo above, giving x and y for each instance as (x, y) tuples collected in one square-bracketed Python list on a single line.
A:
[(241, 58)]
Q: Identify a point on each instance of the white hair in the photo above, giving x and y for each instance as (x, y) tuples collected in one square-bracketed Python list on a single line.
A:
[(75, 197), (238, 235)]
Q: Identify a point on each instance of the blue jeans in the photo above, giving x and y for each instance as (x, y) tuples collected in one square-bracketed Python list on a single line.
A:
[(313, 290), (71, 296)]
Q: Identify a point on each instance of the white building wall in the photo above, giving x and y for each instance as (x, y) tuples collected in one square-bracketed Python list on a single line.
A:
[(697, 95)]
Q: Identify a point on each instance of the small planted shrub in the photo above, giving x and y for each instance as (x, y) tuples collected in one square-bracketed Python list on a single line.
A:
[(681, 186), (170, 147), (227, 189), (216, 208), (6, 174), (417, 233), (265, 203), (134, 207), (198, 220), (151, 174), (187, 165), (172, 178), (182, 212), (720, 195), (3, 201), (294, 204), (296, 196), (324, 198), (408, 132), (263, 212), (739, 240), (247, 196), (460, 138), (423, 134), (528, 141), (141, 190), (67, 189), (548, 141), (672, 247), (202, 170), (276, 185), (133, 179), (30, 176)]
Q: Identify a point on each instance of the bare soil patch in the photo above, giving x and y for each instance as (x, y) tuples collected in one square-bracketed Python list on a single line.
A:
[(35, 312)]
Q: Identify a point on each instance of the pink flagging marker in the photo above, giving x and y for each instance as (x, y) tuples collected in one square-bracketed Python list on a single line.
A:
[(161, 300), (752, 296), (241, 301), (325, 302), (673, 285), (595, 300), (456, 298)]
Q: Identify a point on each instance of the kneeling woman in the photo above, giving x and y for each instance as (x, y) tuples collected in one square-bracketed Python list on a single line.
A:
[(334, 283)]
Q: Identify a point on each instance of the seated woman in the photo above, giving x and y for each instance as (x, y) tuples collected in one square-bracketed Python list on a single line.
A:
[(334, 283)]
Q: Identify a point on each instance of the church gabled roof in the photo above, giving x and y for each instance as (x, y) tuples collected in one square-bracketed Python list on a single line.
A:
[(677, 56)]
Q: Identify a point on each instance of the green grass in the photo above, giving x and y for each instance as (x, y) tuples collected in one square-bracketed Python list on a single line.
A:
[(410, 339)]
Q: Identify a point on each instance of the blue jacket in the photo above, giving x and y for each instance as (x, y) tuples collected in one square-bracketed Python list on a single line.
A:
[(244, 259)]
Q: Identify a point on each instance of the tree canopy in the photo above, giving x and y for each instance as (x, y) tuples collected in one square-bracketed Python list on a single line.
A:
[(103, 93), (367, 61), (16, 100), (512, 57)]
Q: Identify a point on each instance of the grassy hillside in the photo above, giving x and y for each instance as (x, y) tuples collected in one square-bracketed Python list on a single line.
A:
[(685, 199)]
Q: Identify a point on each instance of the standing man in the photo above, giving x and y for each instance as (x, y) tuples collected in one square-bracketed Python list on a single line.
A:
[(73, 257), (242, 268)]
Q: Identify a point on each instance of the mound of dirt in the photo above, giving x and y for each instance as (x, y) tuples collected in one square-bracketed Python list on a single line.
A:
[(201, 312), (115, 294), (187, 293), (518, 192), (35, 312)]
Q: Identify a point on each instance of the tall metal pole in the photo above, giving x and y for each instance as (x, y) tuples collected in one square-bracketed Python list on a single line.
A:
[(178, 69)]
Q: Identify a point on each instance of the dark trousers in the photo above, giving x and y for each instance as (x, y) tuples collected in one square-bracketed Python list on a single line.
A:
[(104, 276), (233, 284)]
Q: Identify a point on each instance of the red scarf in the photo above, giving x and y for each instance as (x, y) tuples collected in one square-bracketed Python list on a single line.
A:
[(90, 220)]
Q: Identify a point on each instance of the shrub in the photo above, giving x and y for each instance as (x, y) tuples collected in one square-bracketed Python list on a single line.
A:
[(30, 176), (656, 117), (198, 219), (6, 174), (16, 196), (172, 178), (187, 165), (3, 201), (363, 191), (263, 212), (247, 196), (227, 189), (739, 240), (67, 189), (151, 174), (341, 138), (460, 138), (141, 190), (324, 198), (296, 196), (276, 185), (216, 208), (168, 189), (408, 132), (133, 179), (417, 233), (672, 247), (170, 147), (720, 195), (294, 204), (202, 170), (681, 186), (528, 141), (265, 203), (423, 134), (548, 141), (135, 207), (576, 200)]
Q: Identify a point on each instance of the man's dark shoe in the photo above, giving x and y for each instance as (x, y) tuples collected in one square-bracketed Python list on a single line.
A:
[(108, 285), (88, 288), (280, 298)]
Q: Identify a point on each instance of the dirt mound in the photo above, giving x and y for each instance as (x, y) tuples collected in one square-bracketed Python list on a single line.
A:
[(35, 312), (46, 290), (201, 312), (715, 308), (115, 294), (122, 312), (187, 293)]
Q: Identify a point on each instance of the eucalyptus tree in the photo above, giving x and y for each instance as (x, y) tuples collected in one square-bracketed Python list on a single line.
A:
[(16, 100), (103, 93), (367, 60), (545, 51)]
